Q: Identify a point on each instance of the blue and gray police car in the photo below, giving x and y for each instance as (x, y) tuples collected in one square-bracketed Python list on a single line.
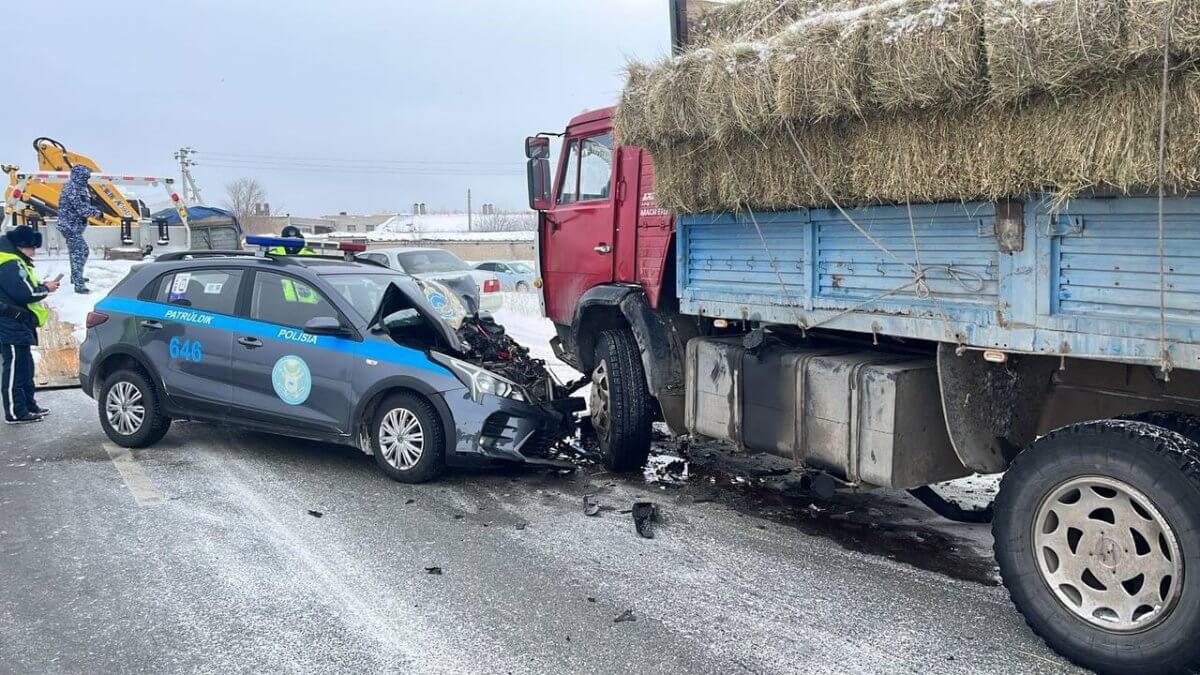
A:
[(320, 347)]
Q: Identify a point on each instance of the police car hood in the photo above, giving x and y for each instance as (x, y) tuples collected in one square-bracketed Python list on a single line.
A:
[(440, 306)]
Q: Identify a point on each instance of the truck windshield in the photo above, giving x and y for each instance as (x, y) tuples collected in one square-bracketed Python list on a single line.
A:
[(431, 262)]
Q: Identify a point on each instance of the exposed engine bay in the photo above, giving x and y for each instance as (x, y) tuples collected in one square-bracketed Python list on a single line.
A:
[(490, 347)]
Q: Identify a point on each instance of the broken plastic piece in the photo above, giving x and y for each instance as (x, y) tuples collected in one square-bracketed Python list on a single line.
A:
[(644, 513), (590, 508)]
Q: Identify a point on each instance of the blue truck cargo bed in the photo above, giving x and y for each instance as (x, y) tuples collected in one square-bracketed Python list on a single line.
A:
[(1084, 283)]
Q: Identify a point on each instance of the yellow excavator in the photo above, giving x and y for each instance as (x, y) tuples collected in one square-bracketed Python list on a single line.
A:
[(40, 199)]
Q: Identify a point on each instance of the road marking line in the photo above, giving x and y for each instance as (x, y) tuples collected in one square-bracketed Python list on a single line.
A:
[(140, 486)]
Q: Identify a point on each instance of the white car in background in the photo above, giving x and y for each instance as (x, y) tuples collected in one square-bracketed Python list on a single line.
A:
[(441, 265), (514, 275)]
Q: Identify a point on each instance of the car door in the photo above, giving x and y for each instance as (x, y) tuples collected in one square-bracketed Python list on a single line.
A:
[(288, 379), (184, 330), (578, 240)]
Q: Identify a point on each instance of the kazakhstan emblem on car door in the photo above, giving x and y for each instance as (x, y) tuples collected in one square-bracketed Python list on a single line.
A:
[(291, 379)]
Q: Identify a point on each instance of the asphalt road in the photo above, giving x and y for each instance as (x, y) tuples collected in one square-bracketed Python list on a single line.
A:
[(206, 554)]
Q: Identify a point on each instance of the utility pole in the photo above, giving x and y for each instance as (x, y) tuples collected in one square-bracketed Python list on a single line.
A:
[(468, 209), (189, 191)]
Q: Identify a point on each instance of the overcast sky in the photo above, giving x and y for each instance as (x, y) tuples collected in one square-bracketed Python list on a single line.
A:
[(284, 89)]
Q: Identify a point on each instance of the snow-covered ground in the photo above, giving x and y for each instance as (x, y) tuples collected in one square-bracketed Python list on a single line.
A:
[(71, 306)]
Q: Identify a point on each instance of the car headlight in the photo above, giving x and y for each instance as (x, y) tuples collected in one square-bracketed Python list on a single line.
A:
[(479, 380)]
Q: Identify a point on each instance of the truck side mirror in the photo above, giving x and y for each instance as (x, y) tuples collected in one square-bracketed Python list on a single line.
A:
[(537, 147), (538, 170)]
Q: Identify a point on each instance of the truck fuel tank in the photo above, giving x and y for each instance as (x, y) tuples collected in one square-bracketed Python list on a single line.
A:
[(865, 416)]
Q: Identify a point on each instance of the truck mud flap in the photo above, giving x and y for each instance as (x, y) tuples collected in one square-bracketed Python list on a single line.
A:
[(56, 358)]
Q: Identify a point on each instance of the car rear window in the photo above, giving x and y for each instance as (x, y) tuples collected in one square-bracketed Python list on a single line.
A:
[(203, 290), (431, 262)]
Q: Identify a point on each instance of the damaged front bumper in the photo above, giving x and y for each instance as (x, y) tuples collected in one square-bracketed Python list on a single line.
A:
[(505, 429)]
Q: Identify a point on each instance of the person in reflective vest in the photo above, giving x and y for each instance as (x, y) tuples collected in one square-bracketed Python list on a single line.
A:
[(21, 314), (291, 232)]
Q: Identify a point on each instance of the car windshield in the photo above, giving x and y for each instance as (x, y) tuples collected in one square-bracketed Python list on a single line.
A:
[(521, 267), (364, 292), (431, 262)]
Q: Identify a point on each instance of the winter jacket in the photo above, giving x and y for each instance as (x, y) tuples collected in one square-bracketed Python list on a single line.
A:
[(75, 203), (18, 325)]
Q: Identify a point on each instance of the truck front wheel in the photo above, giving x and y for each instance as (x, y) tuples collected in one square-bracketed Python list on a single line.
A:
[(1096, 525), (620, 401)]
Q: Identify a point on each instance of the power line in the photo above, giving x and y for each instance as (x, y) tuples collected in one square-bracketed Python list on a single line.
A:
[(399, 171), (302, 159)]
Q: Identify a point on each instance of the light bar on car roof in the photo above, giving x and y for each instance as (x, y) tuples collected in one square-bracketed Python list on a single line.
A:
[(264, 243)]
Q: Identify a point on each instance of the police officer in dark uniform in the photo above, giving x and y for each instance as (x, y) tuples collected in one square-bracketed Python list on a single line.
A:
[(291, 232), (21, 314)]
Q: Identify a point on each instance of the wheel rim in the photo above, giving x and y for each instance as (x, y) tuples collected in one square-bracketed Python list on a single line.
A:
[(401, 438), (599, 400), (125, 408), (1108, 554)]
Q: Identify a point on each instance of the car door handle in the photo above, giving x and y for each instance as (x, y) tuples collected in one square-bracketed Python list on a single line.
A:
[(155, 325), (602, 249), (250, 342)]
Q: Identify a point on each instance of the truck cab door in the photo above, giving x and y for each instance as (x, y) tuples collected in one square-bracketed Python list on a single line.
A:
[(578, 238)]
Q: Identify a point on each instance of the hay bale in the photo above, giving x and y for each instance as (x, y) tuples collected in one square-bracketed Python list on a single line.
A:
[(750, 20), (1144, 24), (818, 65), (632, 119), (673, 96), (1050, 45), (737, 91), (925, 53)]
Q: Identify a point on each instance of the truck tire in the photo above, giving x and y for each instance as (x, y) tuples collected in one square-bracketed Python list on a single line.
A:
[(407, 439), (620, 402), (1094, 525), (1183, 424), (130, 412)]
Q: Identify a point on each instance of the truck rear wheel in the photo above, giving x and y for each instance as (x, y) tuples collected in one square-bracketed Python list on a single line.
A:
[(620, 401), (1095, 525)]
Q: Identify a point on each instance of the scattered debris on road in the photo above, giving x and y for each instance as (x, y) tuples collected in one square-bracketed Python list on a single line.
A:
[(315, 514), (590, 507), (627, 615), (644, 513), (667, 469), (433, 570)]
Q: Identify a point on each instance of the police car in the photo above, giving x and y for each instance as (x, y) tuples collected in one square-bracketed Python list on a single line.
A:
[(319, 347)]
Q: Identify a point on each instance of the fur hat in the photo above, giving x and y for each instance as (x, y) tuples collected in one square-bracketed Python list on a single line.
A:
[(24, 237)]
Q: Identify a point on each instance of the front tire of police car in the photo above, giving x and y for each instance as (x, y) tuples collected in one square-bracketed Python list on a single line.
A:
[(130, 412), (407, 439), (620, 402), (1095, 528)]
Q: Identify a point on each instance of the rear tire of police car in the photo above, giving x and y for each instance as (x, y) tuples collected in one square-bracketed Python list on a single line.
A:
[(407, 439), (1094, 528), (130, 410), (620, 402)]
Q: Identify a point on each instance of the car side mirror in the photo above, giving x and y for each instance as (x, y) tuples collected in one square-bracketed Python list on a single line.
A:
[(325, 325)]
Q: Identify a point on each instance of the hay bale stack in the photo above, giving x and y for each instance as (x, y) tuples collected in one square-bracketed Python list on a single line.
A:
[(818, 65), (1051, 46), (924, 54), (1146, 20)]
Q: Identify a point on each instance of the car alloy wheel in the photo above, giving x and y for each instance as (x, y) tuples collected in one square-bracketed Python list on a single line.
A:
[(125, 408), (401, 438), (1108, 554)]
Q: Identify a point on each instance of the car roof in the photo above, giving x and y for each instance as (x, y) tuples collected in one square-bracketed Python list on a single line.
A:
[(407, 249)]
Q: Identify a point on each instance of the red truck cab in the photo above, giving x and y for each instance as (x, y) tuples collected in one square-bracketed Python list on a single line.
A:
[(606, 268)]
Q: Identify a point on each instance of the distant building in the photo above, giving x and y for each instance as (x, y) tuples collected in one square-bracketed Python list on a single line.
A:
[(358, 223), (275, 224)]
